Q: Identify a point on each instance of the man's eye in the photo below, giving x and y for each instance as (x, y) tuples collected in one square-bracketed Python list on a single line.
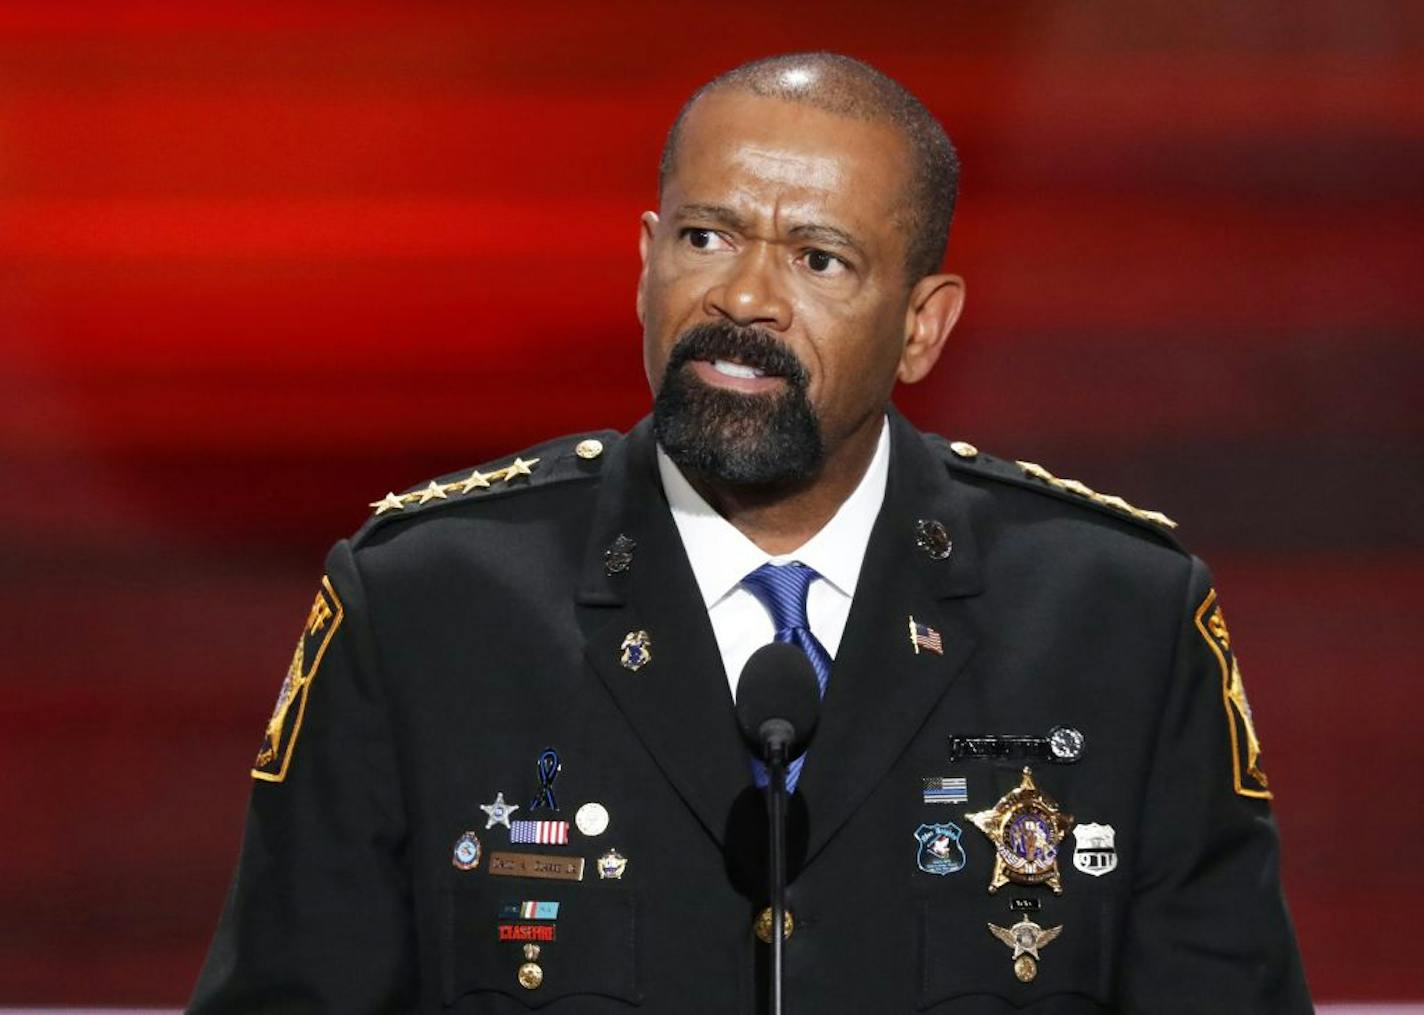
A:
[(704, 239), (822, 263)]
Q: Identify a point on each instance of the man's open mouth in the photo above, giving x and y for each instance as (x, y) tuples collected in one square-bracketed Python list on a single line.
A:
[(731, 368)]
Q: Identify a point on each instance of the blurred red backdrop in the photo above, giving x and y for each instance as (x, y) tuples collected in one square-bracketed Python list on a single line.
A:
[(261, 262)]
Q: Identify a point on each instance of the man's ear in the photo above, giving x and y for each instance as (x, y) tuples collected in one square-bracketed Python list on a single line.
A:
[(935, 303), (648, 222)]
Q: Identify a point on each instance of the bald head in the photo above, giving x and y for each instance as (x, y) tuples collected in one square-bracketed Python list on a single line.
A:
[(844, 86)]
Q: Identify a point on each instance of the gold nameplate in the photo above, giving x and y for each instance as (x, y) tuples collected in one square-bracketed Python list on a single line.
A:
[(536, 865)]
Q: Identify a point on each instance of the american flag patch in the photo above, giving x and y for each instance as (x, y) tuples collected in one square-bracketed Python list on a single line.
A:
[(922, 636), (946, 791), (543, 833)]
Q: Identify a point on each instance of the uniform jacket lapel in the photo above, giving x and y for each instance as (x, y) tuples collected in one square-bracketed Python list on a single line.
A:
[(881, 691), (678, 704)]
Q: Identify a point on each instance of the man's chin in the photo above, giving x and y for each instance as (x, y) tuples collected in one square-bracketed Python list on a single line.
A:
[(736, 438)]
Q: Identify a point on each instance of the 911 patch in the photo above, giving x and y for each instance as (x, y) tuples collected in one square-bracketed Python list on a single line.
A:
[(1248, 778), (280, 737)]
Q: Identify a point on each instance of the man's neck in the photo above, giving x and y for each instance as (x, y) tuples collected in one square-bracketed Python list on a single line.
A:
[(782, 517)]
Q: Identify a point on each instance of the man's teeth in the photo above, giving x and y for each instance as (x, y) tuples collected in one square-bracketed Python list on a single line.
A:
[(731, 369)]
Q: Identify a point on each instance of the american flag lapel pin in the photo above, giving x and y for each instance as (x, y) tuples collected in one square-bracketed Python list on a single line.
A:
[(922, 636)]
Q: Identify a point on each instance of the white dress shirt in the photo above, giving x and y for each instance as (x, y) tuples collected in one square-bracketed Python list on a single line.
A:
[(721, 557)]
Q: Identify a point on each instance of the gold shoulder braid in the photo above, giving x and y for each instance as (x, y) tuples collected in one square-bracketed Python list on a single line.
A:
[(1087, 492), (476, 480)]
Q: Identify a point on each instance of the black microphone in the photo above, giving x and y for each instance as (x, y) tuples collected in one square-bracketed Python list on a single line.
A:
[(778, 702)]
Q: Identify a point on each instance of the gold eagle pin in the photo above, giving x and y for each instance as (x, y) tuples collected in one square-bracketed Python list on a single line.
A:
[(1026, 938), (1025, 826)]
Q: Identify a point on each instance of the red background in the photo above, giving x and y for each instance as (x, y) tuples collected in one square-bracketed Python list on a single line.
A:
[(261, 262)]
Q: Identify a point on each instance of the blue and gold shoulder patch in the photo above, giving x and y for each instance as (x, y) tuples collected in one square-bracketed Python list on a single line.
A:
[(1248, 779), (280, 738)]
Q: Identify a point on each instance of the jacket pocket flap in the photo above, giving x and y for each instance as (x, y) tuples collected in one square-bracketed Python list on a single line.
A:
[(591, 949), (962, 955)]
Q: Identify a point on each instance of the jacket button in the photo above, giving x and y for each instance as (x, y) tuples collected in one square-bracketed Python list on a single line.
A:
[(964, 449), (589, 449), (531, 974), (763, 925)]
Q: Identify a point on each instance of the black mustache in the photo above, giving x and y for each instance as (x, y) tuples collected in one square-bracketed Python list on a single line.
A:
[(752, 347)]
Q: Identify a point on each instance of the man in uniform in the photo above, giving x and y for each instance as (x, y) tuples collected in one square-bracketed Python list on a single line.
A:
[(504, 771)]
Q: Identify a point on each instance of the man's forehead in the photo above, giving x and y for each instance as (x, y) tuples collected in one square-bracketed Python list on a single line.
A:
[(733, 139)]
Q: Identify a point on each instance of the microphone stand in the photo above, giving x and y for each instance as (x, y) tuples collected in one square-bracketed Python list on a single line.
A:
[(776, 807)]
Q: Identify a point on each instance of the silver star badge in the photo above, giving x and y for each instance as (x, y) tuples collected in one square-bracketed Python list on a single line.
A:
[(498, 812)]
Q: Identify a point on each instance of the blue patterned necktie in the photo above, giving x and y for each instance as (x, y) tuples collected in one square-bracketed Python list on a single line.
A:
[(782, 590)]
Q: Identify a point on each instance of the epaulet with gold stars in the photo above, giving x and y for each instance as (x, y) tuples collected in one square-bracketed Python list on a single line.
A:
[(562, 458), (966, 457)]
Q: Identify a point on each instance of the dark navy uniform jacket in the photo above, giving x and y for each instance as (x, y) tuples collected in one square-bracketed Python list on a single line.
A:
[(477, 624)]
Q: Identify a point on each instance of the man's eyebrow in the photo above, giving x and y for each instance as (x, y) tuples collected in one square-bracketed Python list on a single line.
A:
[(819, 233), (814, 231), (718, 213)]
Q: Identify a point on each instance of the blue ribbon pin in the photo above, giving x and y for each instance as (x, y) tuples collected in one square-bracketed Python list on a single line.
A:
[(548, 768)]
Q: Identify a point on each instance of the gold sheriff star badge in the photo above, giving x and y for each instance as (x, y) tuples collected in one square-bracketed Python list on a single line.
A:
[(1025, 826)]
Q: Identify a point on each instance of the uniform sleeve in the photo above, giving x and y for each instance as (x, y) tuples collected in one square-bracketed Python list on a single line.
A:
[(1208, 929), (318, 916)]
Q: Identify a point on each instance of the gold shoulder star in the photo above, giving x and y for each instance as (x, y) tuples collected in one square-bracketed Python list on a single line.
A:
[(390, 502), (432, 492), (473, 481), (519, 467)]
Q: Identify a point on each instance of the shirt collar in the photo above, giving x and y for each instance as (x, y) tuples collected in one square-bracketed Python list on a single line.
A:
[(721, 556)]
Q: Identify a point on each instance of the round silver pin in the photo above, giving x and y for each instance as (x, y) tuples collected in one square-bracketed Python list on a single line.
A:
[(1066, 743), (591, 819)]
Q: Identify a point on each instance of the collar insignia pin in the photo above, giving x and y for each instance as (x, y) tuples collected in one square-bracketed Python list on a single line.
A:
[(933, 538), (618, 558), (637, 649)]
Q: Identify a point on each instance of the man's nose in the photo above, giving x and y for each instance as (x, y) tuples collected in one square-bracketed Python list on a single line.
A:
[(753, 292)]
